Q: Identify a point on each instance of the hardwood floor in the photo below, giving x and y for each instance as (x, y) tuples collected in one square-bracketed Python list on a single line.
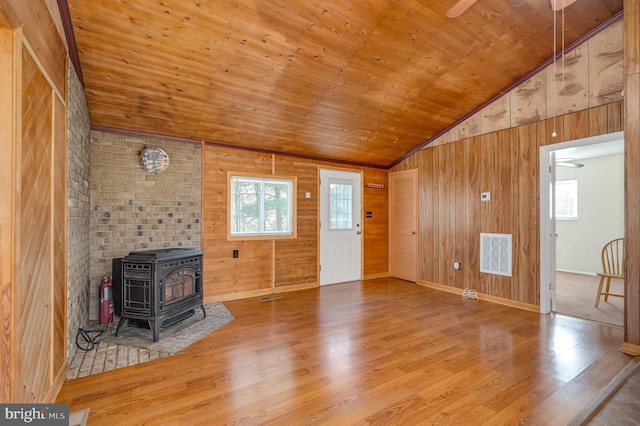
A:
[(383, 352)]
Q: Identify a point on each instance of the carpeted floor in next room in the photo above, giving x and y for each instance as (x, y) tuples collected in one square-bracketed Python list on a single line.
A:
[(134, 345), (576, 297)]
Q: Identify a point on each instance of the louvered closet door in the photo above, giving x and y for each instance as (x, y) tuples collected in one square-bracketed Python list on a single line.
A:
[(403, 224)]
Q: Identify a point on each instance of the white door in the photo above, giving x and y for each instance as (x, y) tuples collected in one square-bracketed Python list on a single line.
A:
[(548, 235), (553, 233), (340, 226)]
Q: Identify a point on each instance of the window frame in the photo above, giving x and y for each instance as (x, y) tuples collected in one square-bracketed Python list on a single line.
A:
[(574, 190), (291, 180)]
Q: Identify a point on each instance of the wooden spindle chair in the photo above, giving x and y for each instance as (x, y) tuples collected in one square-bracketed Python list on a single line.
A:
[(612, 267)]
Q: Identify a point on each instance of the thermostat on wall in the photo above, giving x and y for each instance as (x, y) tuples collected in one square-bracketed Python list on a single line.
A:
[(485, 196)]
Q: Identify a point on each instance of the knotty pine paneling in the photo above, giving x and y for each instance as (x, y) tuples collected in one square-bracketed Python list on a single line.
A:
[(296, 261), (376, 228), (35, 316), (505, 164), (253, 269), (264, 266)]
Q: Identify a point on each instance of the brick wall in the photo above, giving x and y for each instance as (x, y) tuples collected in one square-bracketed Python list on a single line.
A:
[(78, 168), (132, 209)]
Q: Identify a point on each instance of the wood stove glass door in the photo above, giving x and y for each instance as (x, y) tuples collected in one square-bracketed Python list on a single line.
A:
[(179, 285)]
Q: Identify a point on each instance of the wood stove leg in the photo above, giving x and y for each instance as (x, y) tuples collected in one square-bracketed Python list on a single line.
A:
[(204, 313), (119, 325), (155, 327)]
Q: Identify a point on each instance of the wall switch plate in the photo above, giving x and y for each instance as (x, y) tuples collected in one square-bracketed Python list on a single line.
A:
[(235, 254), (485, 196)]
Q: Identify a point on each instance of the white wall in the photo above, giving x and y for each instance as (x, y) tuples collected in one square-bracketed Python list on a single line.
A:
[(600, 214)]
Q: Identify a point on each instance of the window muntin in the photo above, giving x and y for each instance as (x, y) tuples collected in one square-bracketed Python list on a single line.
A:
[(340, 204), (261, 206)]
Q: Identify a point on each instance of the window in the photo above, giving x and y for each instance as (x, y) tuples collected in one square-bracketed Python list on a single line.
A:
[(567, 199), (340, 204), (261, 206)]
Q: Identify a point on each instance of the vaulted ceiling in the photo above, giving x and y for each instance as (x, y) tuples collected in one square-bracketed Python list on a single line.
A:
[(355, 81)]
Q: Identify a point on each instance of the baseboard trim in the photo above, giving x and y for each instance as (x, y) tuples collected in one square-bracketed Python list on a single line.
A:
[(375, 276), (630, 348), (258, 293), (482, 296), (591, 274)]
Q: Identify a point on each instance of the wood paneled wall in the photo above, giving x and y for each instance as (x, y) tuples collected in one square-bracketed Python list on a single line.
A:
[(33, 211), (7, 216), (271, 266), (504, 163), (632, 174)]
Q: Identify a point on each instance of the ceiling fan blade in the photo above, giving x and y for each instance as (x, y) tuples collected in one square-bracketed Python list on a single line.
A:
[(462, 5), (557, 5), (573, 165)]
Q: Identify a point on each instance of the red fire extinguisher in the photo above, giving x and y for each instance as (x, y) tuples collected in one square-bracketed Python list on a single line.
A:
[(106, 301)]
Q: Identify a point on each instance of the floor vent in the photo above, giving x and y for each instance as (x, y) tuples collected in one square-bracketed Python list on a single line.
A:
[(495, 254), (274, 296)]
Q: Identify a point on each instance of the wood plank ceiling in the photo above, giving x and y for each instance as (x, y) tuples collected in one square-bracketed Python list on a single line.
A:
[(362, 82)]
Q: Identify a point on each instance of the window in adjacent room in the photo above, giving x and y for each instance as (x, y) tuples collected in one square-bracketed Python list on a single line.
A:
[(261, 206), (567, 199)]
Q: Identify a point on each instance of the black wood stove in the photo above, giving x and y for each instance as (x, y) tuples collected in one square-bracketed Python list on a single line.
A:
[(157, 287)]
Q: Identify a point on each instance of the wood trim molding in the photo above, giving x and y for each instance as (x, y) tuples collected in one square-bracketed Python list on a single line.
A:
[(630, 348), (58, 381), (482, 296), (65, 16)]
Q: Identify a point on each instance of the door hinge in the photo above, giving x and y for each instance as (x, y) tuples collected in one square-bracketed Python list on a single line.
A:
[(552, 286)]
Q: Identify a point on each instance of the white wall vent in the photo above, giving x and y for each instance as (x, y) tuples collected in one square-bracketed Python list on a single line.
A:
[(495, 254)]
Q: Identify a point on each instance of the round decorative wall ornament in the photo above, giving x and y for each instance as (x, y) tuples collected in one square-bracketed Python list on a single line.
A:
[(154, 160)]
